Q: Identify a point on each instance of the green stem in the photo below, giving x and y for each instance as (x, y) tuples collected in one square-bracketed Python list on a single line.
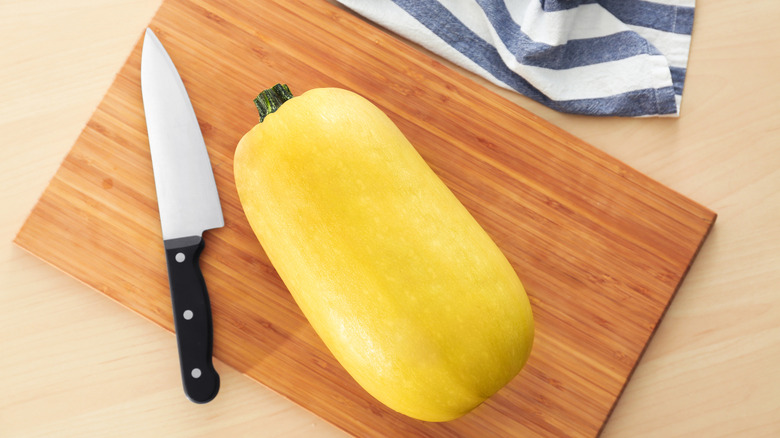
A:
[(271, 99)]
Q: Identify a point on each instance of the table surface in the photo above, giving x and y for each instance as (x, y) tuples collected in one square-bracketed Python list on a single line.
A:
[(75, 363)]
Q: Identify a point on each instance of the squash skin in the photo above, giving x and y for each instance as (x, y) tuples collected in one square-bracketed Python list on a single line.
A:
[(402, 284)]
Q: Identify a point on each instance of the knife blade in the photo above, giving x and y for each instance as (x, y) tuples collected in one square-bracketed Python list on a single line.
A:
[(188, 203)]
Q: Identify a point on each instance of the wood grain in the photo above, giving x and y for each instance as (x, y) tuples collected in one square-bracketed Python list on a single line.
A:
[(601, 248)]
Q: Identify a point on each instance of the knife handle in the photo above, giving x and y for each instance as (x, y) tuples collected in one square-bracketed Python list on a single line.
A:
[(192, 318)]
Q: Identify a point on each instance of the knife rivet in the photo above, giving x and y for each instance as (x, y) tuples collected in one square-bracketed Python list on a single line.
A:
[(196, 372), (180, 257), (188, 315)]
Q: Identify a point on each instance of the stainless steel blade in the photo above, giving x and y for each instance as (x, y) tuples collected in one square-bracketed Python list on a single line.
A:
[(186, 192)]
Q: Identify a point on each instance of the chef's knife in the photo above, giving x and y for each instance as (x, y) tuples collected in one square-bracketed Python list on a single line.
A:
[(188, 202)]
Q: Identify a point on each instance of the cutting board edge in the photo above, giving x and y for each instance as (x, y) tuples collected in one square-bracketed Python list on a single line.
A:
[(21, 244), (17, 237), (660, 320)]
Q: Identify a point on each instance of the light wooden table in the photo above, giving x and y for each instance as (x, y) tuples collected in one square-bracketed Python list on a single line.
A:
[(74, 363)]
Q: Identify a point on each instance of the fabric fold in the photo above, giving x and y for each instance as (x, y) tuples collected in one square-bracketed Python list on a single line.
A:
[(594, 57)]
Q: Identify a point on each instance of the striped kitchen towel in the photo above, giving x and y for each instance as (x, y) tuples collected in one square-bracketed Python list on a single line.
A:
[(595, 57)]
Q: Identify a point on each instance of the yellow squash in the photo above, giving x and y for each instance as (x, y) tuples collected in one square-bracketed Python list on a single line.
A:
[(405, 288)]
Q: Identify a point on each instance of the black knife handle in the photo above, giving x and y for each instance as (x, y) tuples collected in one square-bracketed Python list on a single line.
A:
[(192, 318)]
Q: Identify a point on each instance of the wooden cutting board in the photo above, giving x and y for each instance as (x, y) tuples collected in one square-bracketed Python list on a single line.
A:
[(601, 248)]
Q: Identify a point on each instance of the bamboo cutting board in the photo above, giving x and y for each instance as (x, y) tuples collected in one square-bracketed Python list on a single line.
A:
[(601, 248)]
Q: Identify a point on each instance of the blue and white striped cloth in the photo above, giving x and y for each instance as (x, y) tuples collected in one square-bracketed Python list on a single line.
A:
[(595, 57)]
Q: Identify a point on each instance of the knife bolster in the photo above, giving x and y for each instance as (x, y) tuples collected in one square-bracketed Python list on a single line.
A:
[(183, 242)]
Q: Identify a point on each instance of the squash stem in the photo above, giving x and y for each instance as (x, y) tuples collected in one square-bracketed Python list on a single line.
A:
[(271, 99)]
